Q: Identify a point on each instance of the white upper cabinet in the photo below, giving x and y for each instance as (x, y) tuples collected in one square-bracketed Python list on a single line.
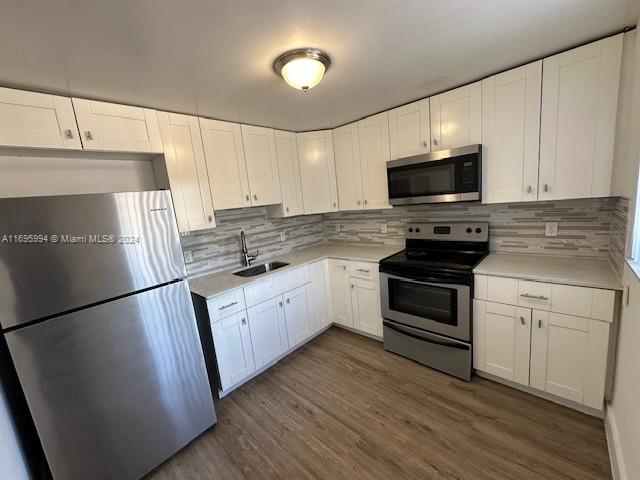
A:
[(317, 171), (262, 165), (29, 119), (456, 117), (410, 130), (511, 134), (289, 170), (114, 127), (373, 136), (579, 104), (348, 167), (225, 163), (187, 171)]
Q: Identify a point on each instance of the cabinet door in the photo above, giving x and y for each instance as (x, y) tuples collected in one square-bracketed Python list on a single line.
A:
[(267, 339), (262, 165), (187, 171), (365, 305), (348, 168), (29, 119), (296, 311), (317, 171), (340, 293), (511, 134), (289, 169), (373, 135), (409, 130), (318, 294), (456, 117), (569, 357), (579, 105), (114, 127), (502, 335), (234, 354), (225, 163)]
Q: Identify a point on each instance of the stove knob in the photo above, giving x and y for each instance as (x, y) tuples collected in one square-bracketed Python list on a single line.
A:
[(417, 230), (478, 230), (411, 230), (469, 230)]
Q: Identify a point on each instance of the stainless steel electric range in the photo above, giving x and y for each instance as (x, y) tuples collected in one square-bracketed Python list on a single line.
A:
[(427, 291)]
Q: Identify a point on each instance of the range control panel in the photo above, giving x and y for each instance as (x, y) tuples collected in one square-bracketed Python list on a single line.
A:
[(453, 232)]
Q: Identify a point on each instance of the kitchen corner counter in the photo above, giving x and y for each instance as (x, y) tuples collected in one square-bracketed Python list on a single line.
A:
[(583, 272), (213, 284)]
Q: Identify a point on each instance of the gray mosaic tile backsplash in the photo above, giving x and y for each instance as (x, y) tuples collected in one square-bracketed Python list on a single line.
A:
[(587, 228)]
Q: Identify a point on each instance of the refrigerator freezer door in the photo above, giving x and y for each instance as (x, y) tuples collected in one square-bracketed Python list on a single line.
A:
[(117, 388), (82, 266)]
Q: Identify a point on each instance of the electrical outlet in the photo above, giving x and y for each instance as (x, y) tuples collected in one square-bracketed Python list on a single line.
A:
[(551, 229), (283, 236), (337, 228), (383, 228), (188, 256)]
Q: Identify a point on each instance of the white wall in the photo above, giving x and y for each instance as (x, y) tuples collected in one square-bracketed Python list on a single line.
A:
[(623, 414)]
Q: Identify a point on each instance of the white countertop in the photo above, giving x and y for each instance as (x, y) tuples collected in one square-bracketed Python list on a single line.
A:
[(209, 286), (583, 272)]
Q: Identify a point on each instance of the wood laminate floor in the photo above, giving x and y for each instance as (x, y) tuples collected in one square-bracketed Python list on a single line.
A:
[(341, 407)]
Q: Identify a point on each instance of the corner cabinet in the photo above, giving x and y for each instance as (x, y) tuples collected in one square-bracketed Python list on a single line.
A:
[(317, 172), (262, 165), (373, 136), (289, 171), (224, 153), (511, 134), (186, 171), (579, 106), (550, 337), (456, 117), (37, 120), (339, 293), (409, 130), (119, 128)]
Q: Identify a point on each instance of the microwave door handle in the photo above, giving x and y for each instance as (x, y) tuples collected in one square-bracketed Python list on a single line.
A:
[(417, 336)]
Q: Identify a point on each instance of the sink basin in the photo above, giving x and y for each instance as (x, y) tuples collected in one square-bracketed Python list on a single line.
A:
[(259, 269)]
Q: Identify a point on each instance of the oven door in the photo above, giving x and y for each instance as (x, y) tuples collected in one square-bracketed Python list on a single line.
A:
[(439, 307)]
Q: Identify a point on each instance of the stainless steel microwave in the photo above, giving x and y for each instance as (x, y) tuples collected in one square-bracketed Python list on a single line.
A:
[(453, 175)]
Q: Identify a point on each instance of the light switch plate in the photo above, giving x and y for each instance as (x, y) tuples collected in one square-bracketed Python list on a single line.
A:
[(188, 256), (283, 236), (383, 228), (551, 229)]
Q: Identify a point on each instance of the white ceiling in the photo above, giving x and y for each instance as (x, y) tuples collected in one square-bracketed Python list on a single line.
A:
[(214, 57)]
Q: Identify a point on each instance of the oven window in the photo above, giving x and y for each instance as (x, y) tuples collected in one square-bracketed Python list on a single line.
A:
[(439, 304), (429, 178)]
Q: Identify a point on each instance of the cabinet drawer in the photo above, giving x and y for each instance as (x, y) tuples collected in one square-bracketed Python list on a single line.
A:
[(571, 300), (263, 290), (502, 290), (534, 295), (364, 270), (226, 304), (293, 278)]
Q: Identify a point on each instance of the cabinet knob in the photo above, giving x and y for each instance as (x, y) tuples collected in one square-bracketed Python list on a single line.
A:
[(358, 202), (210, 218), (546, 187), (255, 197), (247, 198), (353, 286), (365, 202), (279, 304), (425, 144), (88, 135), (287, 209), (344, 267), (539, 323), (68, 134), (435, 141), (288, 300), (334, 204), (244, 321), (529, 189), (522, 320)]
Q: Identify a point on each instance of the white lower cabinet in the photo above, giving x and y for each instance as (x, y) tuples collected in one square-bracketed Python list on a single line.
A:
[(340, 301), (365, 304), (268, 331), (555, 340), (318, 294), (234, 352), (296, 312)]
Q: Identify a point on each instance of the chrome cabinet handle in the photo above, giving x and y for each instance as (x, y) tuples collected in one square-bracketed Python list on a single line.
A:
[(210, 217), (334, 204), (353, 286), (435, 141), (228, 305), (358, 202), (539, 323), (363, 270), (279, 304), (255, 197), (344, 267), (529, 189), (287, 209), (68, 134), (425, 144), (288, 300), (537, 297), (365, 202), (88, 135), (247, 198), (522, 321), (244, 321), (546, 187)]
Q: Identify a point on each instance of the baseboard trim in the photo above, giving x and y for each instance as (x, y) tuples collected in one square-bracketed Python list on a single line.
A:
[(618, 469)]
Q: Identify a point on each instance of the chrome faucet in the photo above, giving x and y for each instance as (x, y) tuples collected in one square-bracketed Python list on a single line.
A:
[(247, 258)]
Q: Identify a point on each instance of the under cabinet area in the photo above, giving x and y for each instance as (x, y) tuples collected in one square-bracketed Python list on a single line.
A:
[(551, 337)]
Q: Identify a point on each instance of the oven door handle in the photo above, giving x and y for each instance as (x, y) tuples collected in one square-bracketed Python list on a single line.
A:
[(428, 280), (398, 328)]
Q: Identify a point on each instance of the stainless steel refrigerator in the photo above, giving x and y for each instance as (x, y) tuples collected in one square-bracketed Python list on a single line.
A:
[(99, 324)]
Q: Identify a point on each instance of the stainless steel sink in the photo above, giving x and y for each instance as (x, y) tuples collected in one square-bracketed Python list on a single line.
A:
[(259, 269)]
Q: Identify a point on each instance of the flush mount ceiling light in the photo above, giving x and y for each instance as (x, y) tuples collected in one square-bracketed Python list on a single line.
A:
[(302, 68)]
